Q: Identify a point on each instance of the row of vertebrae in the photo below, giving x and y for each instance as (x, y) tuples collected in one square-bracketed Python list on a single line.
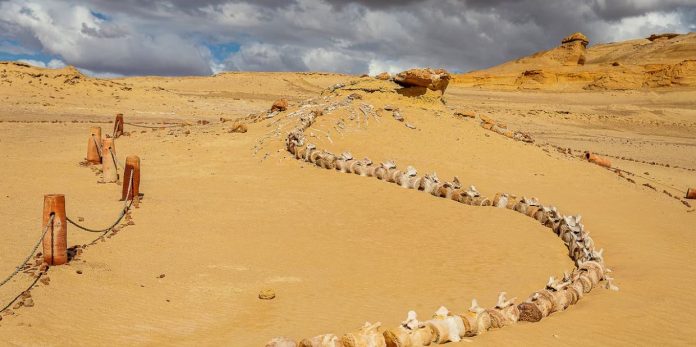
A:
[(556, 296), (386, 171), (578, 241), (443, 327)]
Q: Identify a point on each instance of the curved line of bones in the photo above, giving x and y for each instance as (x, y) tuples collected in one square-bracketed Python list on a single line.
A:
[(557, 295)]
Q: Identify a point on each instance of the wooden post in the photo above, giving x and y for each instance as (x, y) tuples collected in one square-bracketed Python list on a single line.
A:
[(691, 193), (595, 159), (109, 169), (132, 164), (93, 155), (55, 241), (118, 125)]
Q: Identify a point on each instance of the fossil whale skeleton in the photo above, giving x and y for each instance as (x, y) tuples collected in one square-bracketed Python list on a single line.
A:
[(444, 326)]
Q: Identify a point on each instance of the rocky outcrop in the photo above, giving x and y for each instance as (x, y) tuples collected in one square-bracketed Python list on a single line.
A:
[(659, 61), (384, 76), (279, 105), (436, 80), (665, 36), (576, 37)]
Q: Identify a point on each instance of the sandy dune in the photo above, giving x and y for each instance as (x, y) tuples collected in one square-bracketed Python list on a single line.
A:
[(226, 215)]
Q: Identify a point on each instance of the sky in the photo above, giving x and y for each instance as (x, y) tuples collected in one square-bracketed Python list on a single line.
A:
[(188, 37)]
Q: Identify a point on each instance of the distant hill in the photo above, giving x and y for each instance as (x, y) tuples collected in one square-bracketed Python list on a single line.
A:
[(660, 61)]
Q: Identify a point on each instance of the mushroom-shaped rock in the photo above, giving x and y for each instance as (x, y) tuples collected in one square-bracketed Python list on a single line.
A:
[(437, 79), (576, 37)]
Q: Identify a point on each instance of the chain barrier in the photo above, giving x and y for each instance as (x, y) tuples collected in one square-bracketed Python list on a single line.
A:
[(99, 147), (24, 263), (155, 127), (117, 163), (38, 277), (126, 206), (650, 179)]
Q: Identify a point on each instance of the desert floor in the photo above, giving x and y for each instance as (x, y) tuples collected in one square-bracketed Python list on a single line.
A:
[(226, 215)]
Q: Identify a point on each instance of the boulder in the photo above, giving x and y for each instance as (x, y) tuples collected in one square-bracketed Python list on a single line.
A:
[(384, 76), (437, 79), (576, 37), (279, 105), (665, 36)]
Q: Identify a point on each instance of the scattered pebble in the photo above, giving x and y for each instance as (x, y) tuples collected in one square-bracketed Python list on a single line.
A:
[(79, 272), (397, 115), (161, 276), (267, 294)]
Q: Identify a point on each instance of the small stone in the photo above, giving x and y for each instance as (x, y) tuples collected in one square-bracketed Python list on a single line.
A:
[(28, 302), (267, 294), (80, 219), (410, 126), (397, 115), (79, 272), (161, 276)]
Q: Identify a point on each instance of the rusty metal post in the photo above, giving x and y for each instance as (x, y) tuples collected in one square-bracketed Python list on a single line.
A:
[(132, 165), (691, 193), (118, 125), (55, 241), (109, 169), (93, 154)]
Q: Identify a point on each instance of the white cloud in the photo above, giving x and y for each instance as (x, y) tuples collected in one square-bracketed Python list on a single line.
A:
[(52, 64), (169, 37), (644, 25), (32, 62), (378, 66), (73, 33)]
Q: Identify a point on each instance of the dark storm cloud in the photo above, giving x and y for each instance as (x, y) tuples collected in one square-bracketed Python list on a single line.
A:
[(172, 37)]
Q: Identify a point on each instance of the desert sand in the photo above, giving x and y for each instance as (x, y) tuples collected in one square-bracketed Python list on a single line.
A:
[(226, 215)]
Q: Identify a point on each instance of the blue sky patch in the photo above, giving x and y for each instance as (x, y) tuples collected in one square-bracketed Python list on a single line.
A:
[(221, 51), (100, 15)]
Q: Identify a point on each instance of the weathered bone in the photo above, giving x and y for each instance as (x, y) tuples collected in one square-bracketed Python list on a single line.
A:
[(367, 336), (281, 342), (446, 327)]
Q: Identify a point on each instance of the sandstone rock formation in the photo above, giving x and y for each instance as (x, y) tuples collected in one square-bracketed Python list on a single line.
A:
[(435, 80), (576, 37), (384, 76), (659, 61)]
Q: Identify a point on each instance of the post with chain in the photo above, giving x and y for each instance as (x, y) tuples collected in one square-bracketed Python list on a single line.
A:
[(93, 151), (109, 169), (55, 241), (118, 126), (131, 172)]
